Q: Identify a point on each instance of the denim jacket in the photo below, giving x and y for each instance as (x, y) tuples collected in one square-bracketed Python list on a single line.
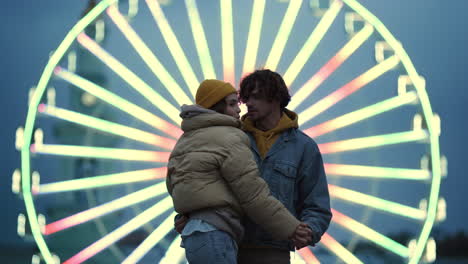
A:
[(293, 169)]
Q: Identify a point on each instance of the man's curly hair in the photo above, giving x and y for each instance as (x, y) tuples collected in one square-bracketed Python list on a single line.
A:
[(271, 86)]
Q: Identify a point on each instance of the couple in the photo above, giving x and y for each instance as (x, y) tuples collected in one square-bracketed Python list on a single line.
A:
[(240, 193)]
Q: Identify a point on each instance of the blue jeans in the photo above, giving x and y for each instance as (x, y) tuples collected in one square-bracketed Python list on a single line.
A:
[(210, 247)]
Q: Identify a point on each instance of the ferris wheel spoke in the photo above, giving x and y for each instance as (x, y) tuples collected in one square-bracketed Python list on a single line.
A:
[(349, 88), (376, 203), (227, 41), (312, 42), (373, 141), (174, 253), (100, 152), (173, 44), (369, 234), (376, 172), (155, 237), (148, 56), (109, 239), (283, 34), (361, 114), (102, 181), (119, 103), (131, 78), (199, 37), (308, 256), (253, 38), (339, 250), (334, 63), (107, 126), (106, 208)]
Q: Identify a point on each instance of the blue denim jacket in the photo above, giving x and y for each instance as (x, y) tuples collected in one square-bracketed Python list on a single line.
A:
[(293, 169)]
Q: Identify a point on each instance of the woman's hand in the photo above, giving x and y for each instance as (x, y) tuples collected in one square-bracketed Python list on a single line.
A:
[(180, 223), (302, 236)]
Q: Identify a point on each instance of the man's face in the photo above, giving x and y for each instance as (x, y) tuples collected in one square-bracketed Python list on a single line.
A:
[(259, 107)]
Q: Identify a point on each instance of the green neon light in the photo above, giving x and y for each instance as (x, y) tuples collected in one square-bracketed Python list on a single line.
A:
[(339, 250), (312, 42), (29, 125), (174, 46), (155, 237), (200, 40), (377, 203), (373, 141), (148, 57), (253, 38), (377, 172), (426, 107), (283, 34), (361, 114), (369, 234)]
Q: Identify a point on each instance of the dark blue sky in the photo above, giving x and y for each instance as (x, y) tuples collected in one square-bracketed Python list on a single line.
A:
[(433, 33)]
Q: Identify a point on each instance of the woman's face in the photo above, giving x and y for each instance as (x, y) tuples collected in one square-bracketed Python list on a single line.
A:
[(232, 105)]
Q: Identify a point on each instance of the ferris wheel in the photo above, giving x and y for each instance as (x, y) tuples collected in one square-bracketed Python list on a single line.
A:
[(104, 117)]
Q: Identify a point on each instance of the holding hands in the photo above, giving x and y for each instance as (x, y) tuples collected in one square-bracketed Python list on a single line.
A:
[(302, 236)]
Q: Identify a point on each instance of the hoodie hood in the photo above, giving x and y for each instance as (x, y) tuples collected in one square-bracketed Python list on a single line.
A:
[(196, 117)]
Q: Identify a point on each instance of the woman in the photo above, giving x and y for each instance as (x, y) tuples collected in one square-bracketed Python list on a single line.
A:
[(213, 178)]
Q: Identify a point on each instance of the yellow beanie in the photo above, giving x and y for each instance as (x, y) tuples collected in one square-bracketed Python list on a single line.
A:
[(212, 91)]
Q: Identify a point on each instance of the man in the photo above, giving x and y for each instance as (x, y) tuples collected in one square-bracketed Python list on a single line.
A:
[(289, 161)]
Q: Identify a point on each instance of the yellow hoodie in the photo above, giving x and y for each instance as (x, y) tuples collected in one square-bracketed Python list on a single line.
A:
[(266, 139)]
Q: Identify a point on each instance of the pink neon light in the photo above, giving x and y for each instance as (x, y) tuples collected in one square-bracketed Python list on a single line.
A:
[(325, 71), (308, 256)]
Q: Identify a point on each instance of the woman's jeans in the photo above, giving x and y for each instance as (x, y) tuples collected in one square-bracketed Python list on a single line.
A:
[(215, 247)]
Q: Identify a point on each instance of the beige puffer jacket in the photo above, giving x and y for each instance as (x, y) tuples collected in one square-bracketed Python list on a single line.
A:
[(212, 166)]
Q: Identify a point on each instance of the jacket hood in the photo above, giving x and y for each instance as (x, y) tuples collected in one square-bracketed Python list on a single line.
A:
[(289, 119), (196, 117)]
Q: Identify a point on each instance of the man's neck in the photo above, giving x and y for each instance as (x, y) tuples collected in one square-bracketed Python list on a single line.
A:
[(269, 122)]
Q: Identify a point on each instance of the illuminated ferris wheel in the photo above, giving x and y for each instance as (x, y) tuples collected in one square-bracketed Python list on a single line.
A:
[(105, 115)]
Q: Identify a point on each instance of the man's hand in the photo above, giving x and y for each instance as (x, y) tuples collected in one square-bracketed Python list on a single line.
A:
[(180, 223), (302, 236)]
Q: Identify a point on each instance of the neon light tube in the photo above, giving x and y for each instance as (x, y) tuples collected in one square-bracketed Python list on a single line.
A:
[(102, 181), (361, 114), (148, 57), (174, 46), (227, 41), (349, 88), (377, 203), (312, 42), (377, 172), (103, 243), (131, 78), (341, 252), (333, 64), (283, 35), (174, 253), (308, 256), (119, 103), (154, 238), (253, 38), (106, 208), (201, 43), (107, 126), (369, 234), (373, 141), (100, 153)]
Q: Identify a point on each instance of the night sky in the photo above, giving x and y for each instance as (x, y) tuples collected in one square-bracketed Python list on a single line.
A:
[(433, 33)]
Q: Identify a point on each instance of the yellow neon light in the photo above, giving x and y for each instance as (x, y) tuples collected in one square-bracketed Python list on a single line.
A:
[(148, 57), (377, 172), (351, 87), (174, 253), (154, 238), (283, 35), (312, 42), (131, 78), (377, 203), (341, 252), (200, 40), (119, 103), (107, 126), (174, 46), (227, 35), (101, 153), (253, 38)]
